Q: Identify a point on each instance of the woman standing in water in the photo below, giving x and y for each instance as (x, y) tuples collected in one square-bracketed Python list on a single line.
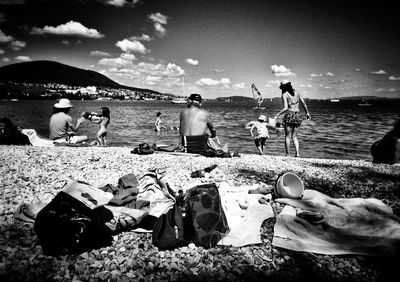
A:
[(292, 119)]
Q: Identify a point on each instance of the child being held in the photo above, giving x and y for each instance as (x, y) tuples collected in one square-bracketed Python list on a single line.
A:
[(103, 119)]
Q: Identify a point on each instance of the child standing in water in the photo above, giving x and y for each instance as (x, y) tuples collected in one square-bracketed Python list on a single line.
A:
[(158, 124), (262, 133), (103, 119)]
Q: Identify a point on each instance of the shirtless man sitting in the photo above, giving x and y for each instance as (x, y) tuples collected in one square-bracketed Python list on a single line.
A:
[(194, 122)]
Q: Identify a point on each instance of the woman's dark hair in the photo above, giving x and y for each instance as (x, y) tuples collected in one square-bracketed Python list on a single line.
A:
[(158, 114), (61, 110), (105, 112), (7, 122)]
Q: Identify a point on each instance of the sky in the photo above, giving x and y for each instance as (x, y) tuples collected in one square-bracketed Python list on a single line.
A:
[(217, 48)]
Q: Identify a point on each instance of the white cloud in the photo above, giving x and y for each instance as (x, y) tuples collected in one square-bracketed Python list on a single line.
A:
[(5, 38), (160, 29), (240, 85), (120, 3), (393, 78), (99, 53), (66, 42), (316, 74), (205, 81), (70, 28), (128, 57), (159, 20), (329, 74), (225, 80), (1, 52), (281, 71), (380, 90), (23, 58), (392, 90), (380, 72), (143, 37), (306, 86), (218, 70), (165, 77), (357, 69), (273, 83), (192, 62), (5, 60), (128, 46), (17, 45), (115, 62)]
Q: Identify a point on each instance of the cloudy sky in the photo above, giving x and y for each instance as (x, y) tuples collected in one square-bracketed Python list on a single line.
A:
[(214, 47)]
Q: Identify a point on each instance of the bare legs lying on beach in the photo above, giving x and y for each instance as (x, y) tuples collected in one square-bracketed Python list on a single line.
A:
[(291, 134)]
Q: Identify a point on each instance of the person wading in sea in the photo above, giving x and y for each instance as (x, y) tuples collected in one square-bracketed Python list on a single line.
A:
[(292, 119)]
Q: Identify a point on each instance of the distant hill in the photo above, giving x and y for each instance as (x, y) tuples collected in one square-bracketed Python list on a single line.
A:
[(55, 72)]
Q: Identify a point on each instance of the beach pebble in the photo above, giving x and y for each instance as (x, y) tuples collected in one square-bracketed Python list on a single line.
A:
[(31, 173)]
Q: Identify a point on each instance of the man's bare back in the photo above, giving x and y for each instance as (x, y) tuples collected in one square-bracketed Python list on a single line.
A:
[(193, 122)]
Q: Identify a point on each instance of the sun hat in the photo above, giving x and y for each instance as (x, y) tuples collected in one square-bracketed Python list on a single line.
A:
[(195, 97), (289, 185), (262, 118), (63, 103), (285, 83)]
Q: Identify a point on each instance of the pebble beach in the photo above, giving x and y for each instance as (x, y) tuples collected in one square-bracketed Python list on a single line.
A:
[(32, 173)]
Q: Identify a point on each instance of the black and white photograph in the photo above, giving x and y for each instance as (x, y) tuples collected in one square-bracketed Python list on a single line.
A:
[(199, 140)]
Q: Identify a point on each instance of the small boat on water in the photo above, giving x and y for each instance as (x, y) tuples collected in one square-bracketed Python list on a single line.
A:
[(335, 100), (179, 101), (104, 99), (364, 103)]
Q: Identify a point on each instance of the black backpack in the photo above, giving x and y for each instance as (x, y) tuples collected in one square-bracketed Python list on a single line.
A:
[(169, 232), (67, 226)]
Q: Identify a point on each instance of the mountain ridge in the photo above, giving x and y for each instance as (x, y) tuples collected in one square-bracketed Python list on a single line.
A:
[(44, 71)]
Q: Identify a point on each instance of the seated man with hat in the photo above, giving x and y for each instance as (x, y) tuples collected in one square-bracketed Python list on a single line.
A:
[(61, 123), (194, 122)]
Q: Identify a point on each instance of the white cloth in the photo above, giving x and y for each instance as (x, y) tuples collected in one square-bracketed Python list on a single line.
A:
[(35, 139), (348, 226), (244, 214)]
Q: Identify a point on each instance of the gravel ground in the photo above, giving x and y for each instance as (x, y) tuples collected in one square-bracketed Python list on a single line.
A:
[(30, 173)]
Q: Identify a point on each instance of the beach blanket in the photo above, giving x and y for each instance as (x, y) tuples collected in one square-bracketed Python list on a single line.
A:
[(35, 140), (245, 215), (321, 224)]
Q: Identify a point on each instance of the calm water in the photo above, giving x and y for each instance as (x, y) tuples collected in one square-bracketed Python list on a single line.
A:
[(341, 130)]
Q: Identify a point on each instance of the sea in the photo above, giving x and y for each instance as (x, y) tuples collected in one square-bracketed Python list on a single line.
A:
[(341, 130)]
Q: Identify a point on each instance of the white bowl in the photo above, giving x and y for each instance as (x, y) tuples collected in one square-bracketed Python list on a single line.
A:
[(289, 185)]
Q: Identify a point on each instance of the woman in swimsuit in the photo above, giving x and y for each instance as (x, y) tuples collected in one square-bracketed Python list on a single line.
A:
[(292, 119)]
